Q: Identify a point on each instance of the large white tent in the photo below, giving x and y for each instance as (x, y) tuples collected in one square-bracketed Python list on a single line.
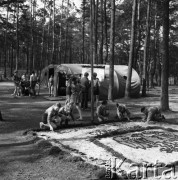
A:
[(120, 76)]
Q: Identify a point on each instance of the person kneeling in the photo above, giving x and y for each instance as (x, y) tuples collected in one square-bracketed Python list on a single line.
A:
[(122, 112), (152, 114), (50, 122), (102, 111), (66, 113)]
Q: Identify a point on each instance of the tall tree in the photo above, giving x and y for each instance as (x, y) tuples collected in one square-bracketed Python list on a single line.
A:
[(146, 49), (31, 36), (17, 35), (83, 33), (112, 39), (53, 34), (102, 34), (131, 55), (91, 55), (105, 29), (5, 51), (96, 32), (165, 58), (153, 67)]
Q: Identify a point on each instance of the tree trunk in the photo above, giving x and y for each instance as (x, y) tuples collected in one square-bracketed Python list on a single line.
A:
[(131, 55), (42, 40), (138, 35), (66, 34), (146, 50), (102, 35), (91, 56), (53, 38), (165, 65), (96, 32), (112, 38), (5, 52), (106, 31), (83, 34), (153, 68), (17, 36)]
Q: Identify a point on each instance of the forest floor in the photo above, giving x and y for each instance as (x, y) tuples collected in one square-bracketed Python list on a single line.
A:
[(25, 155)]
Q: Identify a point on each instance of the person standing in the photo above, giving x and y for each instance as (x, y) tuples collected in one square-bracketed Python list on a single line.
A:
[(33, 81), (51, 85), (96, 86), (1, 119), (16, 80), (68, 89), (76, 89), (86, 85)]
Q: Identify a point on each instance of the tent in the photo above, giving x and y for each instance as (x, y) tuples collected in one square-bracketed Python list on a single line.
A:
[(120, 76)]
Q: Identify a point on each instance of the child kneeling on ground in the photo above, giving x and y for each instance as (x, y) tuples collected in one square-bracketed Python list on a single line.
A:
[(50, 122), (102, 111), (152, 114), (122, 112), (66, 113)]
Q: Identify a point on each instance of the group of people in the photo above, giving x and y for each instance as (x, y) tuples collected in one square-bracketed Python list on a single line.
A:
[(150, 113), (77, 92), (57, 115), (25, 85)]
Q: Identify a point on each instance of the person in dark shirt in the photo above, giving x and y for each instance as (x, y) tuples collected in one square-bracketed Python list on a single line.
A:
[(102, 111), (1, 119), (86, 86)]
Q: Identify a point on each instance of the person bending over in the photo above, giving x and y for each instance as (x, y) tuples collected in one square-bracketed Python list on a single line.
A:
[(102, 111), (152, 114), (122, 112), (49, 117), (66, 113)]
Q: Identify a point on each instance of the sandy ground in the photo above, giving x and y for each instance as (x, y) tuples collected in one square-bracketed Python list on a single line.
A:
[(28, 157)]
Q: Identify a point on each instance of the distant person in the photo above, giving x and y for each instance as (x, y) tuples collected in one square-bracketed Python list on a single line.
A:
[(96, 88), (1, 119), (85, 90), (68, 89), (152, 114), (33, 81), (122, 112), (51, 85), (16, 80), (76, 90), (49, 117), (102, 111), (22, 84)]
